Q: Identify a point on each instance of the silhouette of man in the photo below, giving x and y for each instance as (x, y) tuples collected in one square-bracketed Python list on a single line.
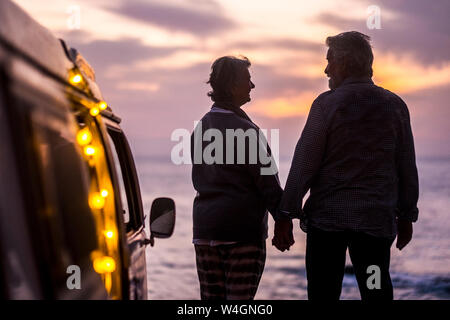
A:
[(356, 156)]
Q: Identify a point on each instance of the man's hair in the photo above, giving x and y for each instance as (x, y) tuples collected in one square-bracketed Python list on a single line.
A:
[(224, 73), (354, 50)]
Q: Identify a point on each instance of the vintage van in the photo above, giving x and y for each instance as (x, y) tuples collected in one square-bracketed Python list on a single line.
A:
[(71, 215)]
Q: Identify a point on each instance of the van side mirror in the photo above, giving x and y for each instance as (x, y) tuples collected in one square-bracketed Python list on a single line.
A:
[(162, 218)]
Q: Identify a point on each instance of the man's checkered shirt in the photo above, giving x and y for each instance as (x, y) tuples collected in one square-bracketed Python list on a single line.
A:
[(356, 156)]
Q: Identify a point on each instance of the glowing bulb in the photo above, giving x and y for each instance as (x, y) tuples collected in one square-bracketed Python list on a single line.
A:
[(96, 201), (104, 265), (109, 265), (84, 137), (102, 105), (94, 111), (104, 193), (89, 150), (76, 79), (109, 234)]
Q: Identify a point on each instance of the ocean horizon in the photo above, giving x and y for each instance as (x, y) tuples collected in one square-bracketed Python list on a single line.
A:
[(420, 271)]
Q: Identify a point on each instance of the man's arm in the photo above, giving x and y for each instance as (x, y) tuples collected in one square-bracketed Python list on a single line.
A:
[(306, 161), (408, 182)]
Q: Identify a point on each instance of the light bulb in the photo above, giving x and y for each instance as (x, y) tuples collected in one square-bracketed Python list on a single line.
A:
[(77, 78), (94, 111), (104, 264), (102, 105), (109, 234), (84, 137), (89, 150), (104, 193), (96, 201)]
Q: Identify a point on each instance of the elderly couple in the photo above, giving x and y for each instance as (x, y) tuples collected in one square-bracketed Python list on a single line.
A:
[(356, 157)]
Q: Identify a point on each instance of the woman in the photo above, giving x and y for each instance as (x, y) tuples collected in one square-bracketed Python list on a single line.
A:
[(230, 209)]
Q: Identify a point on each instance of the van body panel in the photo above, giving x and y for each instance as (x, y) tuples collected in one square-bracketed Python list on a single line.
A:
[(46, 221)]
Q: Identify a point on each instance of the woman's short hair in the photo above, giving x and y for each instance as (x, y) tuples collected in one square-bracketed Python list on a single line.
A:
[(224, 73), (354, 50)]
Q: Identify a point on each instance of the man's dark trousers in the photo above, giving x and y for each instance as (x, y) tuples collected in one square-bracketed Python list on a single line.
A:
[(325, 263)]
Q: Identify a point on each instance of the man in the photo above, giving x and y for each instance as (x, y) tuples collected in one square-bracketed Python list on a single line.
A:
[(356, 156), (233, 196)]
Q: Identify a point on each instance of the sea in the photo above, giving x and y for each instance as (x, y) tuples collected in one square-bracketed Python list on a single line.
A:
[(420, 271)]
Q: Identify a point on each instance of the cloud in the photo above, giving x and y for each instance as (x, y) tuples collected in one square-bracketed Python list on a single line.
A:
[(207, 20), (156, 98), (340, 22), (154, 102), (282, 43), (125, 51), (430, 120), (422, 27), (175, 97), (272, 84), (109, 57), (402, 74), (276, 94), (281, 95), (138, 86), (285, 107), (416, 27)]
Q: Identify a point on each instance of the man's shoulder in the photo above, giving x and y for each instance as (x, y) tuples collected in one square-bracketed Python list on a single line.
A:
[(322, 100), (323, 96), (345, 93), (391, 95)]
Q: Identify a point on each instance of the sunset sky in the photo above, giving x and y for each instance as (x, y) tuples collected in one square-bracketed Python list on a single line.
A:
[(153, 58)]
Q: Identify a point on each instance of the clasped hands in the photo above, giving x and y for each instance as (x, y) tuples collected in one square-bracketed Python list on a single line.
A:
[(283, 237)]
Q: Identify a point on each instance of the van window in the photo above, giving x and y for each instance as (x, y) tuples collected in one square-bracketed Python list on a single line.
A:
[(129, 185), (123, 194), (63, 213)]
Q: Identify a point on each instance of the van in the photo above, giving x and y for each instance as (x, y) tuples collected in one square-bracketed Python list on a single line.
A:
[(71, 217)]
